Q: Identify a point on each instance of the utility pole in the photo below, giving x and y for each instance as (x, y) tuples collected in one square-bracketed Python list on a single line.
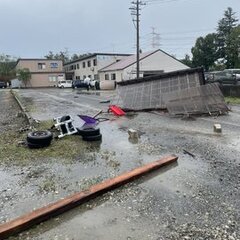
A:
[(135, 11)]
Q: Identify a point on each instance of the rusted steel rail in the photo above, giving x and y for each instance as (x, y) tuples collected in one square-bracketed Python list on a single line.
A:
[(42, 214)]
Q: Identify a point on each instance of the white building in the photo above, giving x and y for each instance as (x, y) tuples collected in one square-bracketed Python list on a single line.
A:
[(90, 65), (153, 62)]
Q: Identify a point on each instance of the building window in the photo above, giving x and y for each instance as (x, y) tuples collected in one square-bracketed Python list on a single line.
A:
[(89, 63), (113, 76), (77, 66), (83, 64), (54, 65), (41, 66), (94, 62), (96, 77), (106, 77), (84, 76), (52, 78)]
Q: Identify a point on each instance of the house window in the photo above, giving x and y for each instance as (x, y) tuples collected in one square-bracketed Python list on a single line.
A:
[(94, 62), (52, 78), (89, 63), (41, 66), (77, 66), (96, 77), (106, 77), (113, 76), (83, 64), (54, 65)]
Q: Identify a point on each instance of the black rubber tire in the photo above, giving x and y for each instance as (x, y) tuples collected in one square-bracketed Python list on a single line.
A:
[(92, 138), (40, 137), (36, 146), (88, 131)]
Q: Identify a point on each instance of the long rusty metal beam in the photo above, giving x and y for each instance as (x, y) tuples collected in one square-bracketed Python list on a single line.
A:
[(42, 214)]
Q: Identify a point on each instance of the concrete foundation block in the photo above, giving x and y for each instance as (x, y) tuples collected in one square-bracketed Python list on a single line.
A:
[(217, 128)]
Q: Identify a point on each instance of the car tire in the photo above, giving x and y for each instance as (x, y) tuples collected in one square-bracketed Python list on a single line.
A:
[(88, 132), (36, 146), (92, 138), (40, 137)]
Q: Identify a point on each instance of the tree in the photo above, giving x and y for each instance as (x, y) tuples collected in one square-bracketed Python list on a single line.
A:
[(187, 60), (24, 75), (233, 48), (224, 29), (205, 51), (7, 64), (62, 55)]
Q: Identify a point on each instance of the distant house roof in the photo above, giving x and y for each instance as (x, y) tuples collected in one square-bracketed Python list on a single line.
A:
[(126, 62), (130, 60), (37, 59), (96, 54)]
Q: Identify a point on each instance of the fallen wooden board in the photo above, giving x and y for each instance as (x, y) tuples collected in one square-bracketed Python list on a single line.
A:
[(42, 214)]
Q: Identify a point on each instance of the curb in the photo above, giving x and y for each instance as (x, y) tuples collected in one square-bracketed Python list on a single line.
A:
[(23, 109)]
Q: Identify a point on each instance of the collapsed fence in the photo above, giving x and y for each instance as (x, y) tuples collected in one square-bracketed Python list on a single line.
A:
[(149, 92), (201, 99)]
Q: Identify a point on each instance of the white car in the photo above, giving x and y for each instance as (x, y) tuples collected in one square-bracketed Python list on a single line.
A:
[(65, 84)]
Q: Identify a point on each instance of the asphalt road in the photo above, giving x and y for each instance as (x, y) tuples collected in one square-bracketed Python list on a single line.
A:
[(198, 198)]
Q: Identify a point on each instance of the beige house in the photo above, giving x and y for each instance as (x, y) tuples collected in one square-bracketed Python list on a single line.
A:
[(44, 72), (151, 63), (90, 65)]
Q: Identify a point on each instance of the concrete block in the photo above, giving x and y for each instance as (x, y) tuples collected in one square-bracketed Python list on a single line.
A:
[(132, 133), (217, 128)]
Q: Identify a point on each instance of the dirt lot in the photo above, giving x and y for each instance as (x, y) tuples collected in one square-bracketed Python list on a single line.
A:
[(198, 198)]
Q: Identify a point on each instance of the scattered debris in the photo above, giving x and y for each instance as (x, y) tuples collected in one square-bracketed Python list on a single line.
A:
[(42, 214), (24, 129), (189, 153), (217, 128), (105, 101), (117, 111), (65, 126), (133, 134)]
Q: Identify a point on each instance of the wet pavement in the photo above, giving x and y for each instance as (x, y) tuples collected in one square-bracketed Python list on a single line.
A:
[(198, 198)]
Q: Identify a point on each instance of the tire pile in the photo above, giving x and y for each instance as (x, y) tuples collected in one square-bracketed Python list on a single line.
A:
[(90, 134), (39, 139)]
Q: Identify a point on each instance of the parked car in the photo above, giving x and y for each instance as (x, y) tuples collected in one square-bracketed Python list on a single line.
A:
[(235, 72), (222, 77), (3, 84), (79, 84), (65, 83), (225, 78)]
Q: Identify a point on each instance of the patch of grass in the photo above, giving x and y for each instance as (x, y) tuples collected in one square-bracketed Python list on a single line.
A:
[(232, 100), (12, 152)]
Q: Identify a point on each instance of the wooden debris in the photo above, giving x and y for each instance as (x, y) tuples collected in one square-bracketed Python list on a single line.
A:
[(42, 214)]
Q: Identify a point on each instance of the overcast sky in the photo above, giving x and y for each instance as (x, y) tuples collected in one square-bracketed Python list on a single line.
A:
[(31, 28)]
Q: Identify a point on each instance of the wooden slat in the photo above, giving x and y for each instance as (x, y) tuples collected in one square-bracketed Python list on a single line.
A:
[(42, 214)]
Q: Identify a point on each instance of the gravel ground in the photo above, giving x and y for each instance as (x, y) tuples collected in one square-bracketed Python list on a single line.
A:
[(198, 198)]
